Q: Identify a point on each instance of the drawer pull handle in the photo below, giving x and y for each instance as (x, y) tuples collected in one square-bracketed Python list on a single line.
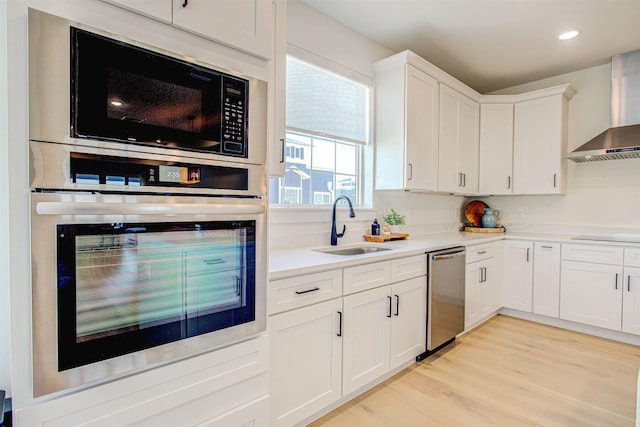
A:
[(527, 254), (482, 252), (547, 247), (616, 280), (629, 283), (397, 305), (308, 290), (339, 324), (213, 261), (389, 315)]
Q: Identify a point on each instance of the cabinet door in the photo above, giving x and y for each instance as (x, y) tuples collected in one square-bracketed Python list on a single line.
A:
[(497, 278), (478, 293), (538, 146), (631, 300), (306, 361), (517, 286), (496, 149), (366, 330), (458, 142), (469, 141), (277, 91), (546, 279), (157, 9), (409, 320), (244, 24), (421, 109), (591, 294)]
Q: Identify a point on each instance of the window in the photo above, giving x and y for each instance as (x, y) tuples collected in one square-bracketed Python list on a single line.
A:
[(327, 127)]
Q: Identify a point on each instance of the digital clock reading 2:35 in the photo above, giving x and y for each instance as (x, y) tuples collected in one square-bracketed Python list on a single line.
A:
[(179, 174)]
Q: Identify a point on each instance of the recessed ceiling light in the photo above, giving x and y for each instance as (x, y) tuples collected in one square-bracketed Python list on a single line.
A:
[(568, 35), (116, 103)]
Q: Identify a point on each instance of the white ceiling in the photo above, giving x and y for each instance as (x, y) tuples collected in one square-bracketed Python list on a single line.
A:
[(494, 44)]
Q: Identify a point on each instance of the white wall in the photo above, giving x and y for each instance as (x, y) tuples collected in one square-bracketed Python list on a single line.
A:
[(601, 196), (316, 34)]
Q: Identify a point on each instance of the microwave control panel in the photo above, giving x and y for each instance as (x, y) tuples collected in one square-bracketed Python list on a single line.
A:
[(234, 116)]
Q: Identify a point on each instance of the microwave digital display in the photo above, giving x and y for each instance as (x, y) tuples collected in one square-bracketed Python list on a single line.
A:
[(125, 93)]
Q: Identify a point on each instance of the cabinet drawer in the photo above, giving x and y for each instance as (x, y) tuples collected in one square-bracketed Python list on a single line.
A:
[(480, 252), (593, 253), (287, 294), (366, 276), (408, 268), (632, 257)]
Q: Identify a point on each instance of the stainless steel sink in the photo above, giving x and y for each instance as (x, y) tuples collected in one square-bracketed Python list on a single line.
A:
[(354, 250)]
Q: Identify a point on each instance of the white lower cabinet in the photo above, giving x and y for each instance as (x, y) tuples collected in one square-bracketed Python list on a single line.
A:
[(382, 330), (517, 289), (306, 367), (631, 300), (367, 332), (323, 350), (482, 286), (600, 286), (546, 279), (408, 330), (591, 294)]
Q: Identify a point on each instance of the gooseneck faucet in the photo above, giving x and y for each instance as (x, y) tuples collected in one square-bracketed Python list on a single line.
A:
[(334, 235)]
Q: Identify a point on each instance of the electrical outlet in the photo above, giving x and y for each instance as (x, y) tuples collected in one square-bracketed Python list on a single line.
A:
[(456, 214), (519, 213)]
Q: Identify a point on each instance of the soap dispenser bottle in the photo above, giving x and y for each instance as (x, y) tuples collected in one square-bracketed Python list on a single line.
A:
[(375, 228)]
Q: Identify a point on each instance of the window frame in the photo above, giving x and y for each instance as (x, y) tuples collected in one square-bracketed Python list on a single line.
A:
[(364, 158)]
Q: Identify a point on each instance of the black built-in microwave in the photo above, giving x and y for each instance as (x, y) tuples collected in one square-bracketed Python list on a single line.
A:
[(126, 93)]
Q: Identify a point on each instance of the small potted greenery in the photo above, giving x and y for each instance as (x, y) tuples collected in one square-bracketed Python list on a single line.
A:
[(395, 220)]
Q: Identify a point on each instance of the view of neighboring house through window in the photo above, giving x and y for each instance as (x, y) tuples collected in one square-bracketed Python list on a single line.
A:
[(327, 126)]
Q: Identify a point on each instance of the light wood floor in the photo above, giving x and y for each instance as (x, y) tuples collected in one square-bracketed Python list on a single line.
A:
[(507, 372)]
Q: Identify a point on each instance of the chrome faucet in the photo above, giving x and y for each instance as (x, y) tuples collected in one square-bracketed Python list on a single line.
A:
[(334, 235)]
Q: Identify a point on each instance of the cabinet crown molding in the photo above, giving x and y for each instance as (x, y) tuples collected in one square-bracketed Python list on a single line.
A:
[(410, 57)]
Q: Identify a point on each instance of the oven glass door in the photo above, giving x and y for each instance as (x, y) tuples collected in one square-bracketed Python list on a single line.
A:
[(124, 287)]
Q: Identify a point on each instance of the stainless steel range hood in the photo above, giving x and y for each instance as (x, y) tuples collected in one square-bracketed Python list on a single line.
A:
[(622, 140)]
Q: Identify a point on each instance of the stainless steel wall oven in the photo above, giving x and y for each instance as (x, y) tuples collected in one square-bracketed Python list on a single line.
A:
[(141, 254)]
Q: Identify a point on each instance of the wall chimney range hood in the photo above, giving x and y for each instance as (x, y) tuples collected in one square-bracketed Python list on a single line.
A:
[(622, 140)]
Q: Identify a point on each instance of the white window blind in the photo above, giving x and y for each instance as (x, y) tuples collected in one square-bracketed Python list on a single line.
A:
[(326, 104)]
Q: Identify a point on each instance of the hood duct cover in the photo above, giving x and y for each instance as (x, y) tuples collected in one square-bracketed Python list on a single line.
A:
[(622, 140)]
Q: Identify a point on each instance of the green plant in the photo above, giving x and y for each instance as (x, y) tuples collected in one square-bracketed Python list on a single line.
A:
[(394, 218)]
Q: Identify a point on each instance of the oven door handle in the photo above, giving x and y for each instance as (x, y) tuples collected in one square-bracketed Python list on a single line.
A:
[(99, 208)]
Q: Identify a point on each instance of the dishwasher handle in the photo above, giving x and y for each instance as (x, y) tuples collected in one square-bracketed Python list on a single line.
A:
[(448, 255)]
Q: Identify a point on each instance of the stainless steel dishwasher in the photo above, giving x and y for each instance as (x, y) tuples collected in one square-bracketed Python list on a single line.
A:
[(445, 298)]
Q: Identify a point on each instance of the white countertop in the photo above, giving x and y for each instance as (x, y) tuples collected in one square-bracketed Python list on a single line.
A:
[(285, 263)]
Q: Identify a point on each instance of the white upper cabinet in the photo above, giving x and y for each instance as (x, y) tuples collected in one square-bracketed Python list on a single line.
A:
[(496, 149), (157, 9), (458, 142), (278, 91), (539, 146), (406, 129), (243, 24), (434, 133)]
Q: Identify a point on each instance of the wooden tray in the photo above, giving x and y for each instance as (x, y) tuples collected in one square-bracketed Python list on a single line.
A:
[(385, 237), (469, 229)]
